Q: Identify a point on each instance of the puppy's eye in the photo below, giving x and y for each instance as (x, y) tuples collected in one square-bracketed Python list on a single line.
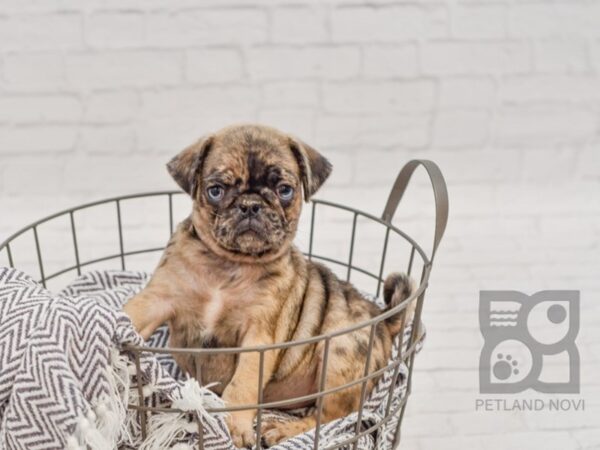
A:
[(215, 192), (285, 192)]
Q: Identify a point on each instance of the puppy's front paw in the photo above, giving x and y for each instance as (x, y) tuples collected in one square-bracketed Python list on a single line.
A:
[(275, 432), (241, 429)]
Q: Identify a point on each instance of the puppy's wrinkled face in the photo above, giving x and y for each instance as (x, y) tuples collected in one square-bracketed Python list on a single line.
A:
[(247, 183), (251, 189)]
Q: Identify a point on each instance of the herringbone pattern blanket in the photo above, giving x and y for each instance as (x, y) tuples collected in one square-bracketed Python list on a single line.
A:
[(66, 379)]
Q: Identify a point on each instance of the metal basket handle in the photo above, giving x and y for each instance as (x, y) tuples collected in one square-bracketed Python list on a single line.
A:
[(440, 193)]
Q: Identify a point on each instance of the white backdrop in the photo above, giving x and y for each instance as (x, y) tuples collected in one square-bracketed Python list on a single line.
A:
[(504, 95)]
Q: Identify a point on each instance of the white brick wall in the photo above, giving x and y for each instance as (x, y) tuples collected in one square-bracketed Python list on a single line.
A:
[(505, 95)]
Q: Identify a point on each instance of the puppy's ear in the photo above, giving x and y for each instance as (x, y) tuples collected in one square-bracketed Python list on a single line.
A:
[(314, 167), (185, 166)]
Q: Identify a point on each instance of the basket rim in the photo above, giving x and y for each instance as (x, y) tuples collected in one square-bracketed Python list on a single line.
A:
[(265, 347)]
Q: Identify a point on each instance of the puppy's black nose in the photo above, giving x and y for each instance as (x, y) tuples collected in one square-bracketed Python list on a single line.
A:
[(249, 209)]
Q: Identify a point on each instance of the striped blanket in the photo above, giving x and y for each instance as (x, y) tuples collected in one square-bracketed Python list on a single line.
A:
[(66, 378)]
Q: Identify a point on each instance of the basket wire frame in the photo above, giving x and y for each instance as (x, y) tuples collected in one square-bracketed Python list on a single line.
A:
[(407, 356)]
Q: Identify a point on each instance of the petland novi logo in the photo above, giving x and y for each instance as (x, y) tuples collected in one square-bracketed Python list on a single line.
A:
[(529, 342)]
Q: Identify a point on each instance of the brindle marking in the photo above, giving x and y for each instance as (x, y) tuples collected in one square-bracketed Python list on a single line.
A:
[(230, 276)]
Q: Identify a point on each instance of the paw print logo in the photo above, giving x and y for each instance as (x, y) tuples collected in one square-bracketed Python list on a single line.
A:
[(505, 367), (523, 332), (510, 362)]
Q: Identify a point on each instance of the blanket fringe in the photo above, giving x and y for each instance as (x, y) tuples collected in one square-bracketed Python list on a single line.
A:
[(111, 411), (166, 429), (105, 425), (89, 434), (182, 446)]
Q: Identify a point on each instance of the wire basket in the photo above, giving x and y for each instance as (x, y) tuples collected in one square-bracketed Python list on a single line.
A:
[(75, 233)]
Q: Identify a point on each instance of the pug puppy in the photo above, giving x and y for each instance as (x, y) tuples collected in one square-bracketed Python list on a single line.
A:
[(230, 276)]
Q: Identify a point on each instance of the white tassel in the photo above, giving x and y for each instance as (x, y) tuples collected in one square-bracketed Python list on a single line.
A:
[(110, 419), (132, 370), (111, 410), (73, 444), (90, 436), (148, 390), (121, 366), (182, 446), (164, 428), (195, 397), (132, 422)]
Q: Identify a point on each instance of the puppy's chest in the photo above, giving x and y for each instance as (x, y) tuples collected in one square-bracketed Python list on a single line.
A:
[(220, 315), (214, 307)]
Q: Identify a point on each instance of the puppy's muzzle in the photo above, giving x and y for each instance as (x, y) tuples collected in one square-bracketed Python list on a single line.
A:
[(250, 224)]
